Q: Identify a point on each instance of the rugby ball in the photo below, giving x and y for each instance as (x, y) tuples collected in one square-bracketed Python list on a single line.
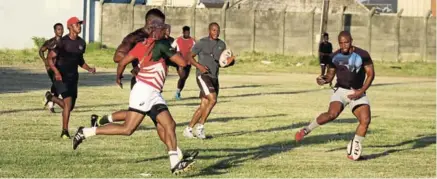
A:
[(223, 61), (353, 150)]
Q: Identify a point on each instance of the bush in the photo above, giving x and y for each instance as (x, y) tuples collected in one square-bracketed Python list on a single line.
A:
[(38, 41)]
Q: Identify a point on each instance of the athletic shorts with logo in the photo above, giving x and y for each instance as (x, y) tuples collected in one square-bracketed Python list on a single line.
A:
[(341, 94), (143, 97), (207, 85)]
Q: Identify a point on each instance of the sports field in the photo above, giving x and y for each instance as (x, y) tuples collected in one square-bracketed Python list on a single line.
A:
[(252, 129)]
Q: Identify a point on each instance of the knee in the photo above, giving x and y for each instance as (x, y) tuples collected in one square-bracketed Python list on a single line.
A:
[(212, 102), (365, 120), (128, 131)]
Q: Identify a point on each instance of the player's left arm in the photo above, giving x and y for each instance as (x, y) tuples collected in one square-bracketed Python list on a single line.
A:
[(173, 56), (82, 62), (370, 76)]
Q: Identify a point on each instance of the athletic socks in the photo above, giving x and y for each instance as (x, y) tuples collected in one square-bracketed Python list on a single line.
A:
[(105, 119), (358, 138), (178, 90), (88, 132), (174, 159), (50, 104), (312, 126)]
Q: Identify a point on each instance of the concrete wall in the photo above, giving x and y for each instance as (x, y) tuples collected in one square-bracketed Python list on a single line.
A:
[(292, 33)]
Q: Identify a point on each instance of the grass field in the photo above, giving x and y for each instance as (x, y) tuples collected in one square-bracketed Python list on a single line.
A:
[(252, 129)]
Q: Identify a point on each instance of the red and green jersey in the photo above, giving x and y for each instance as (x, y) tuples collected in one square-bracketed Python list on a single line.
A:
[(152, 55)]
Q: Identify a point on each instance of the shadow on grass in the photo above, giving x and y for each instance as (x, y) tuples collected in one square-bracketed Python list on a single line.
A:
[(421, 141), (219, 119)]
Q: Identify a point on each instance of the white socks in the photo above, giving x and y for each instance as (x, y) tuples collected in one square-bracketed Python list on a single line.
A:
[(50, 104), (178, 91), (110, 118), (88, 132), (174, 159), (312, 125), (359, 138)]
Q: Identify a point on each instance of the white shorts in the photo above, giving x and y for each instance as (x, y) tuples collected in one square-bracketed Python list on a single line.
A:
[(143, 97), (340, 95)]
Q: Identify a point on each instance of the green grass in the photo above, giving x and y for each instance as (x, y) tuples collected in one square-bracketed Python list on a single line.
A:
[(247, 63), (253, 127)]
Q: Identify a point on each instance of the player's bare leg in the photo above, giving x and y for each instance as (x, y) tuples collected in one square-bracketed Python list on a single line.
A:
[(67, 106), (363, 114), (200, 115), (114, 117), (183, 76), (165, 121), (335, 108)]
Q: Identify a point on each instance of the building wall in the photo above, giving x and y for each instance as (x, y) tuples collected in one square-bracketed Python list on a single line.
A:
[(291, 33), (414, 7), (23, 19)]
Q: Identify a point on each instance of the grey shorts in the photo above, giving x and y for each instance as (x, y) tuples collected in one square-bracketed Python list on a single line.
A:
[(340, 95)]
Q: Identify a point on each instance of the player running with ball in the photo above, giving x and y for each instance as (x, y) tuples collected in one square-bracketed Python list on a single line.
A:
[(355, 73)]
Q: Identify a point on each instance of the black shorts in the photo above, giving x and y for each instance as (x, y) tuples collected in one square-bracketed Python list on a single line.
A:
[(325, 60), (207, 85), (66, 88)]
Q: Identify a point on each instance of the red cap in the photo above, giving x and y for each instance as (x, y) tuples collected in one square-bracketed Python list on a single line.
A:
[(73, 20)]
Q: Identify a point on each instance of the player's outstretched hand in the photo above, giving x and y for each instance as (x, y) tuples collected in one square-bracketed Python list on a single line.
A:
[(355, 95), (92, 70), (203, 69), (58, 77), (135, 71), (320, 80), (118, 81)]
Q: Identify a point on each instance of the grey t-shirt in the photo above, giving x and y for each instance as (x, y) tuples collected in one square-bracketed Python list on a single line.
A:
[(208, 52)]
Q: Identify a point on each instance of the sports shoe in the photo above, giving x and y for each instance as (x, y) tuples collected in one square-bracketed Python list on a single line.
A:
[(94, 119), (188, 132), (65, 134), (200, 133), (182, 166), (177, 96), (78, 138), (300, 135), (47, 98), (191, 155), (354, 150)]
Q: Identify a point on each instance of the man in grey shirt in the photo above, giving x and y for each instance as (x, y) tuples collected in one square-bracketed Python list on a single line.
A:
[(209, 50)]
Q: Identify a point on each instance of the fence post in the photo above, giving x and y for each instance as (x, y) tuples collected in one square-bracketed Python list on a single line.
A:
[(193, 19), (253, 23), (398, 34), (341, 24), (311, 35), (101, 22), (369, 29), (163, 5), (132, 3), (223, 20), (424, 43), (284, 12)]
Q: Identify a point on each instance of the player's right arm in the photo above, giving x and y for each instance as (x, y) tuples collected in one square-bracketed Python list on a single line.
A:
[(197, 48), (44, 48), (50, 59), (135, 53), (123, 49)]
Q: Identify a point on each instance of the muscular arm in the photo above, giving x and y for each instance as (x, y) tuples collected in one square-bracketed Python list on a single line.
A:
[(330, 75), (122, 65), (370, 75), (121, 52), (178, 60), (51, 56)]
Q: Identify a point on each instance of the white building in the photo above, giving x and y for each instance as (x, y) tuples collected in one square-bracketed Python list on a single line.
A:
[(24, 19)]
